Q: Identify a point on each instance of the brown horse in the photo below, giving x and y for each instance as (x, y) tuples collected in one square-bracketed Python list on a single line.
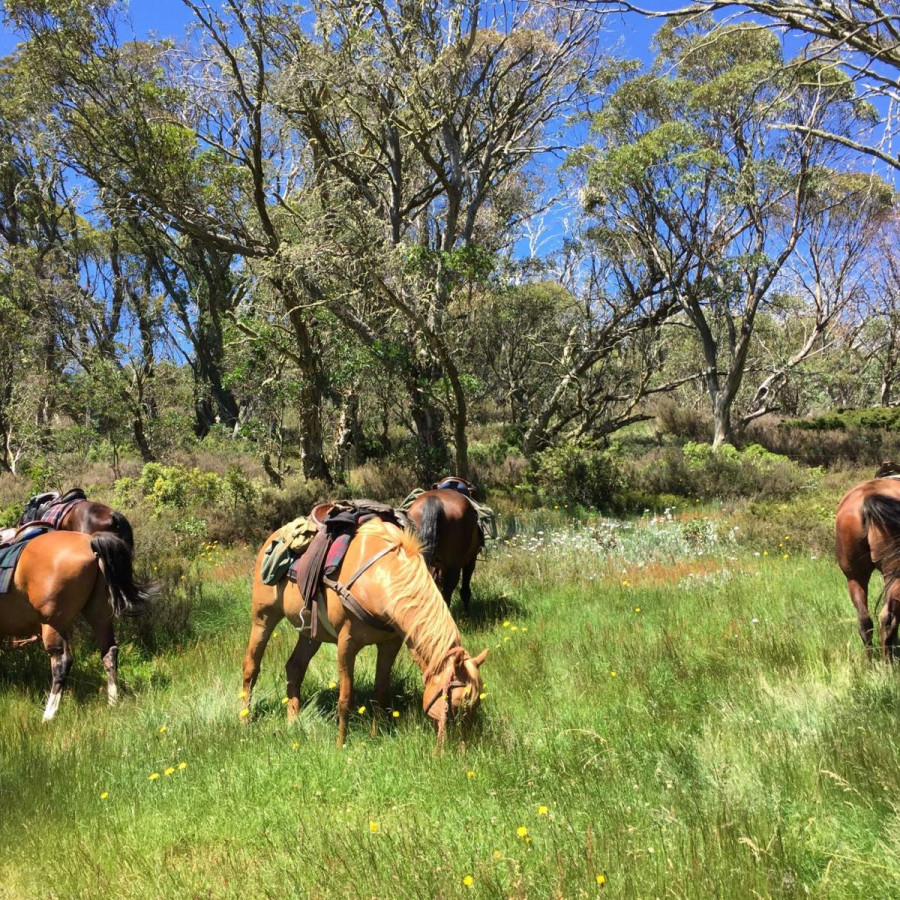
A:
[(447, 525), (74, 512), (59, 575), (866, 532), (394, 589)]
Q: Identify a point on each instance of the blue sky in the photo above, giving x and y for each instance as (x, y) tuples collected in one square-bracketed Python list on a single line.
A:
[(168, 18)]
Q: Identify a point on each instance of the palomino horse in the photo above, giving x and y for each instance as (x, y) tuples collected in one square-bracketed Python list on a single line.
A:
[(74, 512), (394, 588), (59, 575), (447, 525), (866, 533)]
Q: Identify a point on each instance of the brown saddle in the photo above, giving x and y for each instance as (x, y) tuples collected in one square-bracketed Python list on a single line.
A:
[(338, 523)]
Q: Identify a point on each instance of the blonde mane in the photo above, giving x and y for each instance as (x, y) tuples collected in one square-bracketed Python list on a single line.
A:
[(412, 599)]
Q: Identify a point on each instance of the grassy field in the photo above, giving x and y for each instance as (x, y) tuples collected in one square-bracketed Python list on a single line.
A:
[(668, 715)]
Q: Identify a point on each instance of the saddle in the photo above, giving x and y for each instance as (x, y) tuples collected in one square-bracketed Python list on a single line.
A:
[(320, 560), (487, 522), (51, 507), (11, 550)]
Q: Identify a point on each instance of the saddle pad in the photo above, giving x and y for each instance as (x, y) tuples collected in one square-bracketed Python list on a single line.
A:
[(9, 556)]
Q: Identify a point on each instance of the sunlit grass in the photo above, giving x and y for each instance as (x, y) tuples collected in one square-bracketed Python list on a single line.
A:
[(713, 733)]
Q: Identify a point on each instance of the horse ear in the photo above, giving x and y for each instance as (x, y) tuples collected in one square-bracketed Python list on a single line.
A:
[(478, 660)]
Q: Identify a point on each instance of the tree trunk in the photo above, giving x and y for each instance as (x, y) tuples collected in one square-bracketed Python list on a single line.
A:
[(722, 432), (312, 437), (432, 454)]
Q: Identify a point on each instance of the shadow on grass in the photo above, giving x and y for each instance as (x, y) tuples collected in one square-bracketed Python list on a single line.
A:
[(487, 606)]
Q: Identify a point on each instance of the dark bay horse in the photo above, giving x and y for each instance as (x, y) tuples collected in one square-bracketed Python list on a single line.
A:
[(74, 512), (866, 538), (59, 575), (394, 588), (447, 525)]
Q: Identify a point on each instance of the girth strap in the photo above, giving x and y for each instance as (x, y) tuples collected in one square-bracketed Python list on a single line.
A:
[(350, 602)]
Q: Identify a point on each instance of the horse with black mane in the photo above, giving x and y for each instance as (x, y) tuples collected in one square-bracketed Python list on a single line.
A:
[(447, 524), (59, 574), (866, 538), (73, 511)]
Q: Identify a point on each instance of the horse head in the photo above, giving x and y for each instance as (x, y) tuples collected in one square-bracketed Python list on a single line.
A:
[(453, 692)]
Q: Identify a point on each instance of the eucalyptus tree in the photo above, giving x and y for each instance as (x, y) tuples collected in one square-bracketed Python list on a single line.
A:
[(858, 37), (185, 138), (690, 178), (427, 123)]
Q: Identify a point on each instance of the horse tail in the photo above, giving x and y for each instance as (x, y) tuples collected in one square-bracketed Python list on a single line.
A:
[(127, 595), (433, 518), (882, 512), (122, 527)]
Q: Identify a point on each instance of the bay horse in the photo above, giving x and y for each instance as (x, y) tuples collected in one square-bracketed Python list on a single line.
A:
[(391, 585), (74, 512), (59, 575), (447, 525)]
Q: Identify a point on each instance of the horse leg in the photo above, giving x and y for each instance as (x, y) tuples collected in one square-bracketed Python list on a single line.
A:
[(57, 648), (260, 632), (858, 586), (346, 657), (295, 668), (888, 622), (448, 586), (465, 590), (387, 653), (98, 614)]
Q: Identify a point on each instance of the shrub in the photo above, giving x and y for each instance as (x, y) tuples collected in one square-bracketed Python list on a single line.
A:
[(577, 472), (682, 422), (699, 470), (382, 480)]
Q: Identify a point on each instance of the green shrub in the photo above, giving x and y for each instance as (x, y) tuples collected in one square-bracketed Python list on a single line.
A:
[(577, 472), (878, 418)]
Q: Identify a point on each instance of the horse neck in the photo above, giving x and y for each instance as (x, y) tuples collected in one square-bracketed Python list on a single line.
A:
[(425, 622)]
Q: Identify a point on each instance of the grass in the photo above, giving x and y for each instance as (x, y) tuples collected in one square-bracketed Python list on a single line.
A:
[(697, 720)]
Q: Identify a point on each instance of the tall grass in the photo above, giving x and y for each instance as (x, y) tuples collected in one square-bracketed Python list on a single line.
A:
[(700, 724)]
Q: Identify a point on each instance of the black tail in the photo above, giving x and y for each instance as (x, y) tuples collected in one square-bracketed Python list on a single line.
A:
[(122, 527), (433, 518), (126, 595), (882, 512)]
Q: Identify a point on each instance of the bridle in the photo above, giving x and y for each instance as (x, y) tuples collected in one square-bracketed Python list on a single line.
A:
[(446, 692)]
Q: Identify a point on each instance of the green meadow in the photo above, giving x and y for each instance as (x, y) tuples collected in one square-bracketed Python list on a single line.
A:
[(668, 714)]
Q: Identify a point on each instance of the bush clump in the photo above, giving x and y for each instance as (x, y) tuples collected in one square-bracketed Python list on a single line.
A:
[(577, 472)]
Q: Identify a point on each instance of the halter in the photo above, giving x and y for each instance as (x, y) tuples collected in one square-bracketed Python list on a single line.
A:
[(446, 692)]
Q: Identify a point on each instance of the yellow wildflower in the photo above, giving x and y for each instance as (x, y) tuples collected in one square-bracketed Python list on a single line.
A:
[(637, 609), (525, 628), (482, 695), (470, 774), (182, 766), (104, 795), (506, 624), (295, 745), (542, 810), (467, 881), (162, 729), (514, 628), (362, 710), (153, 777), (244, 713), (242, 695), (601, 879), (765, 552), (498, 854), (332, 684), (506, 639), (787, 555), (624, 583), (612, 674), (169, 771), (396, 714), (522, 831), (284, 701), (373, 827)]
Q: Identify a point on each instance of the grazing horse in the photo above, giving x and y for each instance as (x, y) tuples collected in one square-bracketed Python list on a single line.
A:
[(74, 512), (59, 575), (866, 535), (447, 525), (394, 591)]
